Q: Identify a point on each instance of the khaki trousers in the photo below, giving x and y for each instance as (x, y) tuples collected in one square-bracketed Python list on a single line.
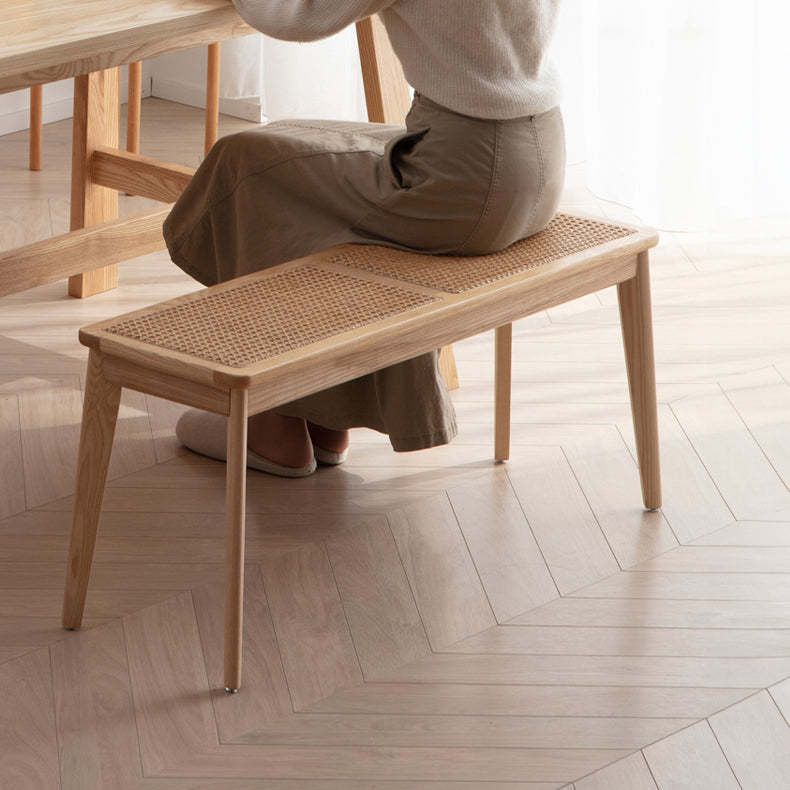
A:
[(447, 183)]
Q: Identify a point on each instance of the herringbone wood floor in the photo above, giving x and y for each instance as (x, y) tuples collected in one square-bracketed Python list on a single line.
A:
[(430, 620)]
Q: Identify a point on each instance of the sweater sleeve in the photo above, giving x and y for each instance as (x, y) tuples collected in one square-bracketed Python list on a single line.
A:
[(305, 20)]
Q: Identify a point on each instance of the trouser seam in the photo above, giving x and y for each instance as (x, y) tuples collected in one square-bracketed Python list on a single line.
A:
[(541, 170), (492, 188)]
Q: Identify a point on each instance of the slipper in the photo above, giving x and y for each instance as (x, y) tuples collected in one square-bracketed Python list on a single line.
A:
[(206, 433), (327, 457)]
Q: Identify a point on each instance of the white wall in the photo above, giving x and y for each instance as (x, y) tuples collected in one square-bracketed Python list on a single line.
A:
[(58, 104), (181, 77)]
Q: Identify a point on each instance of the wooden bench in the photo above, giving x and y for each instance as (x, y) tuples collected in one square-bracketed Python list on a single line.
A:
[(260, 341)]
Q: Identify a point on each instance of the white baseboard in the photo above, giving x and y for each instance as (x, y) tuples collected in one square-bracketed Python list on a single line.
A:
[(18, 120), (248, 109)]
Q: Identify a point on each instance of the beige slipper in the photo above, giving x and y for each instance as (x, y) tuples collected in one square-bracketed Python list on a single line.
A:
[(206, 433), (327, 457)]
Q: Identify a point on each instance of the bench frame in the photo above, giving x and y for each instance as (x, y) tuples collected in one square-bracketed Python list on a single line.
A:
[(117, 361)]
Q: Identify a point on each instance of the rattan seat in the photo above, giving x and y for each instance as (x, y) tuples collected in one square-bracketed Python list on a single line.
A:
[(268, 338)]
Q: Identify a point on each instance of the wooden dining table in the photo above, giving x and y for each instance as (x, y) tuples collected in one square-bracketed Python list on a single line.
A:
[(88, 40)]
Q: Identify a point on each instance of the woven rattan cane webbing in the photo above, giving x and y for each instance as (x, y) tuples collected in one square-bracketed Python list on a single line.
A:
[(260, 319), (564, 236)]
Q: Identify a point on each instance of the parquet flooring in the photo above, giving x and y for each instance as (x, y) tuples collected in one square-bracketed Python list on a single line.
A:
[(429, 620)]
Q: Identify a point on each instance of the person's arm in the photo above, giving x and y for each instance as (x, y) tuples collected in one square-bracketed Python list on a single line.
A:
[(305, 20)]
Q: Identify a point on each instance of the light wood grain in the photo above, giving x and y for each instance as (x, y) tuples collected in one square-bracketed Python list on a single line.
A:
[(629, 774), (659, 612), (100, 412), (170, 668), (12, 481), (748, 483), (637, 324), (747, 533), (602, 463), (133, 105), (23, 222), (265, 700), (694, 506), (91, 45), (391, 763), (315, 643), (212, 95), (162, 534), (721, 559), (139, 175), (95, 123), (376, 597), (571, 540), (95, 715), (780, 694), (690, 759), (48, 456), (448, 591), (386, 90), (235, 512), (636, 641), (468, 699), (762, 399), (117, 33), (448, 367), (690, 586), (598, 670), (515, 732), (507, 557), (70, 253), (36, 123), (503, 383), (755, 738), (210, 378), (29, 757)]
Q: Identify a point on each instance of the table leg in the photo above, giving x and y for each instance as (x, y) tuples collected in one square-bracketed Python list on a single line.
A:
[(134, 97), (212, 97), (36, 123), (96, 123)]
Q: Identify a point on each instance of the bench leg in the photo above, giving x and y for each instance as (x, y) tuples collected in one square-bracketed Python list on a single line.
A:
[(235, 507), (502, 385), (100, 412), (637, 326)]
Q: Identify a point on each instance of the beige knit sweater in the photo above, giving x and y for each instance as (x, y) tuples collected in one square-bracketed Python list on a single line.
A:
[(485, 58)]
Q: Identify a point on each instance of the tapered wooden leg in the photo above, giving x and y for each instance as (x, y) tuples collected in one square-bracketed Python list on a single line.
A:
[(99, 415), (235, 507), (212, 96), (448, 368), (637, 325), (36, 126), (502, 386), (96, 121)]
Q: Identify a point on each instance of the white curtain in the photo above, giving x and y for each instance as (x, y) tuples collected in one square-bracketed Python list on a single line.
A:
[(321, 79), (681, 108)]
